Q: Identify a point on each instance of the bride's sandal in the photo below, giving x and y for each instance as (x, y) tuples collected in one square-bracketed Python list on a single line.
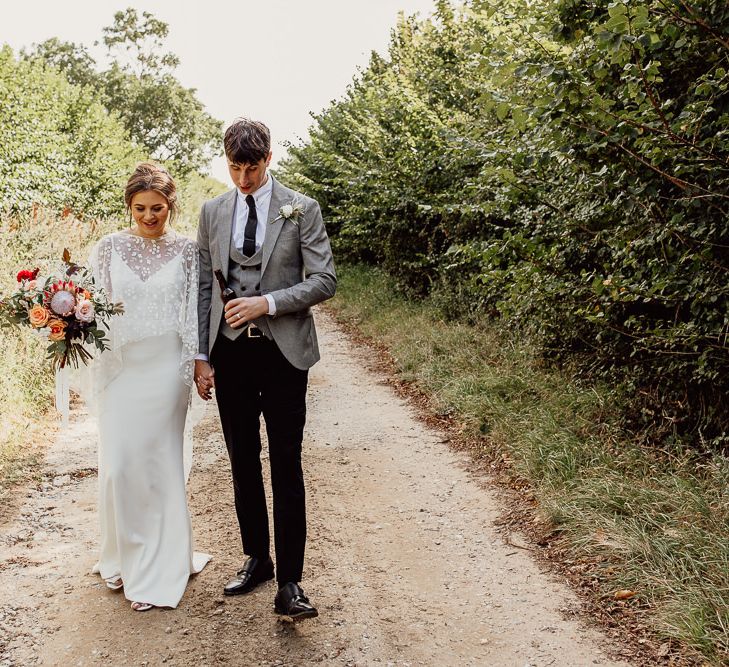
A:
[(114, 583), (141, 606)]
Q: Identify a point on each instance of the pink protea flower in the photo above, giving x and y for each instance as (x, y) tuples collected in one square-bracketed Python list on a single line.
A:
[(63, 303)]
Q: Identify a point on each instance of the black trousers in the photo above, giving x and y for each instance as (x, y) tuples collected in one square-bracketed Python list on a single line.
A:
[(253, 378)]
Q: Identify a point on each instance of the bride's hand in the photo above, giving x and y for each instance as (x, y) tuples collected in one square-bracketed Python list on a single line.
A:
[(204, 379)]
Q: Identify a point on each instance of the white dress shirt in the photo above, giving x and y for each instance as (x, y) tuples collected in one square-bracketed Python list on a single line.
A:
[(262, 200)]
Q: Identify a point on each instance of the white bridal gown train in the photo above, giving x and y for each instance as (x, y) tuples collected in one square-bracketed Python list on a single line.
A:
[(146, 534)]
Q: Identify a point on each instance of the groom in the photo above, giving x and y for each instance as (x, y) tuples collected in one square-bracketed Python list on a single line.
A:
[(270, 244)]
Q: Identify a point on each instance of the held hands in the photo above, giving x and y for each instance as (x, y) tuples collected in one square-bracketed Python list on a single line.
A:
[(237, 313), (244, 309), (204, 379)]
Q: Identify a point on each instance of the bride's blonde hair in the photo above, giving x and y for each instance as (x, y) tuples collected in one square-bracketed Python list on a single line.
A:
[(150, 176)]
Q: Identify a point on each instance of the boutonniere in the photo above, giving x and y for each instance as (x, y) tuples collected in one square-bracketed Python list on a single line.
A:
[(291, 211)]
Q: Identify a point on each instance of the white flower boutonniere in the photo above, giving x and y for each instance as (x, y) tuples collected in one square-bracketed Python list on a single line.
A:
[(291, 211)]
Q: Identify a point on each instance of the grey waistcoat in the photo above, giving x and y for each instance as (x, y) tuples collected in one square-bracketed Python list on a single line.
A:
[(244, 277)]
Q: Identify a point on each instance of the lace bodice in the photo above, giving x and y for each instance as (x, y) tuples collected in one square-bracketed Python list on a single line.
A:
[(157, 281)]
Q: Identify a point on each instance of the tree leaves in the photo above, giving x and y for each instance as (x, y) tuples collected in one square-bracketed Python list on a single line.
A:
[(61, 148), (139, 87), (562, 166)]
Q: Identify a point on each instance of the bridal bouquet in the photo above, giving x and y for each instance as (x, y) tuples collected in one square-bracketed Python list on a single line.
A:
[(65, 307)]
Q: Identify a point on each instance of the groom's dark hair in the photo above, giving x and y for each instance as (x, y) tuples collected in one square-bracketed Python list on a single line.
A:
[(247, 141)]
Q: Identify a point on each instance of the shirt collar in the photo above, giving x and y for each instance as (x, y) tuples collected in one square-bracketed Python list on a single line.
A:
[(260, 194)]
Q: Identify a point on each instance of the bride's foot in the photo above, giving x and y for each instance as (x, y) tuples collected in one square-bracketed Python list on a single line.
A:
[(141, 606), (114, 583)]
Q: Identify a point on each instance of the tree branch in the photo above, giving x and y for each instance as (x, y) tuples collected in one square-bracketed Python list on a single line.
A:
[(678, 182)]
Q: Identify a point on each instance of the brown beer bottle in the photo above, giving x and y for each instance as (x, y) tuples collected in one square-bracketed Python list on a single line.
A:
[(226, 293)]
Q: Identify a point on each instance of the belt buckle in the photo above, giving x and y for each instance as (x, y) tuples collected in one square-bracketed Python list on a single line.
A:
[(253, 331)]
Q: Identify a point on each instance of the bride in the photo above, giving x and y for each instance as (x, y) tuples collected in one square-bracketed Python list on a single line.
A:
[(142, 392)]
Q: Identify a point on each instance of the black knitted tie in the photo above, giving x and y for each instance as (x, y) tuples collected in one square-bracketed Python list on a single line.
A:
[(249, 236)]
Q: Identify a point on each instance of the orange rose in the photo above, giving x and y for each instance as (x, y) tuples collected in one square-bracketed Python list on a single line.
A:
[(38, 316), (58, 330)]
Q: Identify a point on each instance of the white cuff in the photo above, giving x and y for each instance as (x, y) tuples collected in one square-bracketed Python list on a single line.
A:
[(201, 357), (271, 305)]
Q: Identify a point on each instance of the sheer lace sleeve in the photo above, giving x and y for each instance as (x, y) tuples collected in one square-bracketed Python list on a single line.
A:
[(88, 381), (100, 265), (188, 314)]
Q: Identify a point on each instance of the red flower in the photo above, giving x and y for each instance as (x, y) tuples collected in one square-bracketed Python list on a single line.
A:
[(26, 275)]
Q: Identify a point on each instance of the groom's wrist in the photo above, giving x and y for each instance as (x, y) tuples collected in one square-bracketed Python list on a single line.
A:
[(271, 305)]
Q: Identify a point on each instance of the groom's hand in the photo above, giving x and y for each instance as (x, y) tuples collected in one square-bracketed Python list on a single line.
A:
[(204, 379), (244, 309)]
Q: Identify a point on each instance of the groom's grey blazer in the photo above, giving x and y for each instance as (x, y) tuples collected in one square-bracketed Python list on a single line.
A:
[(297, 270)]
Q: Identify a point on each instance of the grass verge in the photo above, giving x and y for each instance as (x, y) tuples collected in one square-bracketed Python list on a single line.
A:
[(644, 533)]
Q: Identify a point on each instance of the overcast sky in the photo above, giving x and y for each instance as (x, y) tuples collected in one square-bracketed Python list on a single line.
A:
[(274, 60)]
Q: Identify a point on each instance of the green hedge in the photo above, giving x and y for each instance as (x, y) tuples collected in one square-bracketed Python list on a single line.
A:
[(61, 150), (562, 167)]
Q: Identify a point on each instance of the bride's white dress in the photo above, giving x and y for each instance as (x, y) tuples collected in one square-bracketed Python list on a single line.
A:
[(142, 392)]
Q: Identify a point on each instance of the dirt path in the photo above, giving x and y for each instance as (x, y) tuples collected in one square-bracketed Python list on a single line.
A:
[(403, 560)]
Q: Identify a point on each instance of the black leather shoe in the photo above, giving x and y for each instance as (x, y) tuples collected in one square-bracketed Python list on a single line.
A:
[(290, 601), (254, 571)]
